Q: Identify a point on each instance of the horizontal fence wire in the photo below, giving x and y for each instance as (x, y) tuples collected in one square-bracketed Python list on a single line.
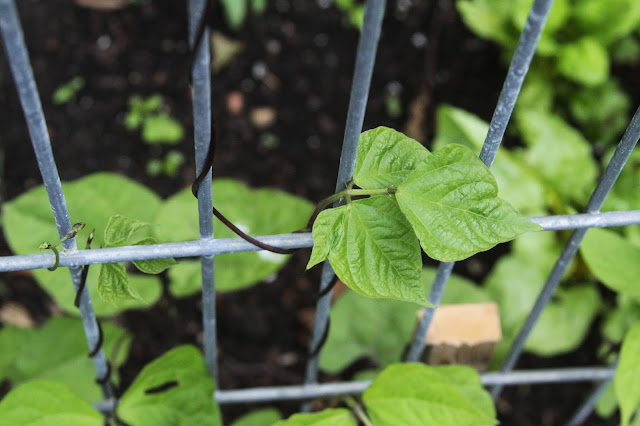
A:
[(199, 248), (609, 177), (365, 60), (201, 85), (314, 390), (18, 58)]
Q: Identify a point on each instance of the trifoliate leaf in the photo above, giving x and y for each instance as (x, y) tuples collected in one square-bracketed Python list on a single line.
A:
[(119, 229)]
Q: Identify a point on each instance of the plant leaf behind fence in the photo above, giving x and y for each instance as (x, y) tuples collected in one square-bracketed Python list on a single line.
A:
[(328, 417), (452, 202), (173, 389), (43, 402), (27, 220)]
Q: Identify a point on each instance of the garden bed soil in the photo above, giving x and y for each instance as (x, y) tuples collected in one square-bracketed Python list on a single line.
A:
[(296, 66)]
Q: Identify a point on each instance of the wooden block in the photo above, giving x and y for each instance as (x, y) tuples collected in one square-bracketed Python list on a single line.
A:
[(463, 334)]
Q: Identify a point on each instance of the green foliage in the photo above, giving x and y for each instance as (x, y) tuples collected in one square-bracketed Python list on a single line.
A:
[(328, 417), (414, 394), (626, 384), (68, 91), (257, 212), (58, 351), (173, 389), (169, 165), (579, 42), (93, 199), (447, 201), (352, 10), (235, 11), (157, 126), (113, 282), (264, 416), (42, 403)]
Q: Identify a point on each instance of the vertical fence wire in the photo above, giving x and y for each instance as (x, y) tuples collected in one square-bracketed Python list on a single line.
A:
[(609, 177), (506, 102), (365, 59), (18, 59), (584, 411), (201, 94)]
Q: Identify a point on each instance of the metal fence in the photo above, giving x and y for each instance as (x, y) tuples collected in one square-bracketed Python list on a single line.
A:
[(207, 246)]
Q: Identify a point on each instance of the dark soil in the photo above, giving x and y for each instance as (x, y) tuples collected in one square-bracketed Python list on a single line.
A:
[(298, 60)]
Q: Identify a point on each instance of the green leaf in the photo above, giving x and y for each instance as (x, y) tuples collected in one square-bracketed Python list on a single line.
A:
[(161, 129), (152, 266), (235, 12), (612, 259), (451, 202), (559, 154), (328, 417), (386, 157), (58, 351), (68, 91), (328, 230), (606, 20), (619, 320), (488, 19), (468, 381), (119, 229), (565, 322), (377, 254), (257, 212), (585, 61), (414, 394), (458, 289), (27, 220), (113, 284), (625, 382), (173, 389), (380, 332), (264, 416), (518, 184), (41, 403)]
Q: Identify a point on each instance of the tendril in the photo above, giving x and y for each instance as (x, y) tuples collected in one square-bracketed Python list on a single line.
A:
[(48, 246)]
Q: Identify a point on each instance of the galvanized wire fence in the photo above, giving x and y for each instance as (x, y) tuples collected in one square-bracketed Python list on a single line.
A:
[(207, 246)]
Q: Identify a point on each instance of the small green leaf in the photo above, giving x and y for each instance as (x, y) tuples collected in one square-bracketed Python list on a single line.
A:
[(42, 403), (585, 61), (68, 91), (58, 351), (451, 202), (612, 259), (152, 266), (161, 129), (386, 157), (378, 255), (173, 389), (113, 283), (93, 200), (264, 416), (414, 394), (328, 417), (235, 12), (625, 382), (380, 332), (327, 233), (119, 229)]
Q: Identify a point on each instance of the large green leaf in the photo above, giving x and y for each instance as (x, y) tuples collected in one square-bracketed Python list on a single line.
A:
[(626, 383), (328, 417), (386, 157), (174, 389), (380, 330), (606, 20), (377, 253), (585, 61), (559, 154), (58, 351), (44, 403), (415, 394), (518, 184), (27, 221), (612, 259), (256, 212), (451, 200), (468, 381), (262, 417)]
